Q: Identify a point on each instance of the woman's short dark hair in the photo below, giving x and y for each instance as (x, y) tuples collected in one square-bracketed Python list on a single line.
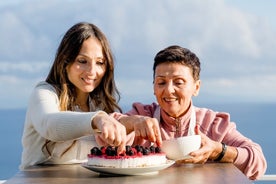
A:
[(177, 54)]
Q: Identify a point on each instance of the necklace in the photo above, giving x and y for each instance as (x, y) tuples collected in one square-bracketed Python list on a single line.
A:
[(83, 107)]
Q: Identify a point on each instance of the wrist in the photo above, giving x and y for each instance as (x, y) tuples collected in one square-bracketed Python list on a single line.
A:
[(127, 121), (222, 153), (97, 119)]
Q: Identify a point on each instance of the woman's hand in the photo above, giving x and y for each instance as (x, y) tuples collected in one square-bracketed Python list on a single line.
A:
[(144, 127), (148, 128), (110, 131), (209, 150)]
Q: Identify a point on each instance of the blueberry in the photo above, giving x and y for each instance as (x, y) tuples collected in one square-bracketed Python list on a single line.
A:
[(95, 151), (109, 148), (128, 148), (146, 151), (152, 149), (130, 152), (110, 151), (158, 150), (139, 149)]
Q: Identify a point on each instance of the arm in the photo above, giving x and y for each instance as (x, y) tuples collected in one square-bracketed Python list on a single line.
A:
[(57, 125), (250, 158), (140, 121), (216, 128), (53, 124), (144, 127)]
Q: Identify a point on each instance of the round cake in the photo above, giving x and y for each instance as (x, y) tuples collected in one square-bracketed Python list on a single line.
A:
[(137, 156)]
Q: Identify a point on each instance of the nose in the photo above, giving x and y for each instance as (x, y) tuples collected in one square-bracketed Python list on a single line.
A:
[(169, 87), (91, 68)]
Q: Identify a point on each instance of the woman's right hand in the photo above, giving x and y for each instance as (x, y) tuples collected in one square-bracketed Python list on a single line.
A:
[(110, 131), (144, 127)]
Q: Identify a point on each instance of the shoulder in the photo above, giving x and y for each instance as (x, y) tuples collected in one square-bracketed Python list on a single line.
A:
[(212, 121), (44, 85), (43, 90), (211, 115), (142, 109)]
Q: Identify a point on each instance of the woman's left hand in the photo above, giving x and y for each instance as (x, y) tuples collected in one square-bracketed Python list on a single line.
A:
[(206, 151)]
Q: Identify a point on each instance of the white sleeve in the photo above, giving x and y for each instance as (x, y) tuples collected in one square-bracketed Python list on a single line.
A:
[(53, 124)]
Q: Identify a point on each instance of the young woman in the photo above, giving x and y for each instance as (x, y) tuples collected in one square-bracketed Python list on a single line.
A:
[(66, 110)]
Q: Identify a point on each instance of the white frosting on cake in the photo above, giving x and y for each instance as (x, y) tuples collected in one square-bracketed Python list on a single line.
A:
[(125, 162)]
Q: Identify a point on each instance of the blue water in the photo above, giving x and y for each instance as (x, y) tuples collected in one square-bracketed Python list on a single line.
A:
[(256, 121)]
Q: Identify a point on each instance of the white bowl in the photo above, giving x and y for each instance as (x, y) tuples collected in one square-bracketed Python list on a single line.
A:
[(179, 148)]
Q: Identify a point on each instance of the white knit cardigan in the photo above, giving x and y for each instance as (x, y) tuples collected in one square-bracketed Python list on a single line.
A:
[(69, 133)]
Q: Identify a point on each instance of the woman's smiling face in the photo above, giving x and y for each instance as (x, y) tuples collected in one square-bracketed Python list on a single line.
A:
[(89, 67), (174, 87)]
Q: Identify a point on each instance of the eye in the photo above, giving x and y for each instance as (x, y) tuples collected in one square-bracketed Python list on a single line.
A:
[(179, 82), (82, 61), (100, 62), (160, 82)]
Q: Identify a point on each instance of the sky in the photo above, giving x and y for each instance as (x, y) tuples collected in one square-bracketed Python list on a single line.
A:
[(234, 40)]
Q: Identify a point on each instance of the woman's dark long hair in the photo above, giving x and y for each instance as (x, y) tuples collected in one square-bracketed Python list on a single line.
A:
[(106, 95)]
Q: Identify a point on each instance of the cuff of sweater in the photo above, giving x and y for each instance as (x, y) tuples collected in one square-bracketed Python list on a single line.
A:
[(241, 157), (87, 128)]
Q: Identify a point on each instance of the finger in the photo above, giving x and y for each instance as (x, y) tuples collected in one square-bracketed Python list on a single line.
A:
[(143, 133), (154, 135), (184, 161), (100, 141), (138, 141), (158, 137), (121, 147), (197, 131), (120, 140), (151, 134), (121, 136), (137, 133), (117, 138), (104, 133), (108, 135)]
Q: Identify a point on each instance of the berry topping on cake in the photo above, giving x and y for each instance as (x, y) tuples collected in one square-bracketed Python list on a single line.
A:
[(137, 156), (130, 151)]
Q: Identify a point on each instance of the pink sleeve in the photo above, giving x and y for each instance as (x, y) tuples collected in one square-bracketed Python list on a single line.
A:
[(137, 109), (250, 157), (144, 110), (218, 127)]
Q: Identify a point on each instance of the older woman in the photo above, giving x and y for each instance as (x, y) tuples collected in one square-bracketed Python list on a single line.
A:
[(176, 72)]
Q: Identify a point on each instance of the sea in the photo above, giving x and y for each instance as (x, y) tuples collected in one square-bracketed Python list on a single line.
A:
[(256, 121)]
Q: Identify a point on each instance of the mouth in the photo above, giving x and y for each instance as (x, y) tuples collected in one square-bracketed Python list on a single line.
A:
[(171, 99), (88, 80)]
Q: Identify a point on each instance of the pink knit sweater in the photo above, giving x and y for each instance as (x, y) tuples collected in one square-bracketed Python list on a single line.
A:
[(218, 127)]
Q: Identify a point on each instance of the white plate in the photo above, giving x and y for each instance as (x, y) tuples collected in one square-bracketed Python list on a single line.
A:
[(129, 171)]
